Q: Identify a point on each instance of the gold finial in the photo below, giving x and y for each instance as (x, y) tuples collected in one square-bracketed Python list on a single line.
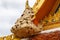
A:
[(37, 1), (27, 5)]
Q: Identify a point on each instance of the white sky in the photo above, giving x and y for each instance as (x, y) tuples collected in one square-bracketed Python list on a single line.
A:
[(10, 10)]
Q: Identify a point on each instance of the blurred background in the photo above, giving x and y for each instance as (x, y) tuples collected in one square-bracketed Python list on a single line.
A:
[(10, 10)]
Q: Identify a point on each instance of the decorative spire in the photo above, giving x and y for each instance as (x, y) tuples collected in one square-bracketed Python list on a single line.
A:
[(36, 3), (27, 5)]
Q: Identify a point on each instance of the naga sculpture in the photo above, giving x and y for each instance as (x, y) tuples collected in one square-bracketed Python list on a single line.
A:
[(42, 16)]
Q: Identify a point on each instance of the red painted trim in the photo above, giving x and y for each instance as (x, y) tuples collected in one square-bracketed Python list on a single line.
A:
[(44, 10)]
